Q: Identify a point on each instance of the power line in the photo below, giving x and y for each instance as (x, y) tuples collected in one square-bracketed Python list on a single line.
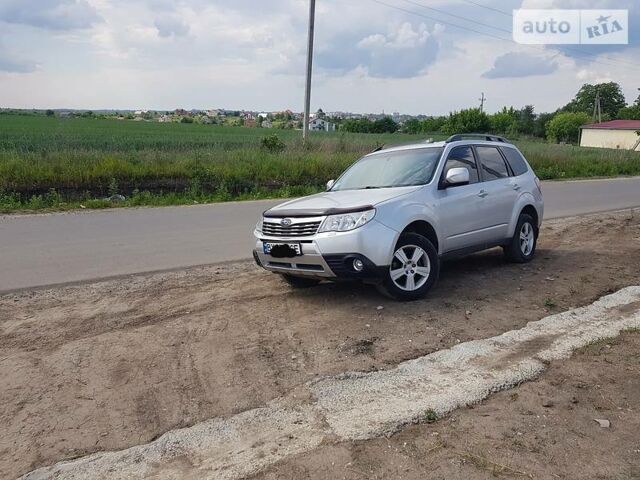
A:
[(411, 12), (576, 51), (488, 8), (486, 34), (458, 16)]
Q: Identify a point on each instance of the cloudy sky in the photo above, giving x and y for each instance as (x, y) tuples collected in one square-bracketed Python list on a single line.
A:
[(412, 56)]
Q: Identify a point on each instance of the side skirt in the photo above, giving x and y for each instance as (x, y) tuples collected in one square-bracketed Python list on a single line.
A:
[(463, 252)]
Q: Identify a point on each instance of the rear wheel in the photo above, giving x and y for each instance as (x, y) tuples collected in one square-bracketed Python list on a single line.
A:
[(523, 244), (414, 268), (300, 282)]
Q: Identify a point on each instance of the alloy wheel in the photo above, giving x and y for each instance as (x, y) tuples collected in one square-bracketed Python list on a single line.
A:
[(527, 239), (410, 268)]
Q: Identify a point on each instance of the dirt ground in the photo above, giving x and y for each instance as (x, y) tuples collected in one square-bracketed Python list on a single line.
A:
[(544, 429), (112, 364)]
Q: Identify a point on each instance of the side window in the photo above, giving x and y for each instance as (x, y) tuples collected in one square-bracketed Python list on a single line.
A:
[(493, 166), (516, 161), (462, 157)]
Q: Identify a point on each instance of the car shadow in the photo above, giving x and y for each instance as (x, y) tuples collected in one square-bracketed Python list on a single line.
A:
[(467, 272)]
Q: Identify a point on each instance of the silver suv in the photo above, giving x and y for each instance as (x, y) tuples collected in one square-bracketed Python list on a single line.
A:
[(395, 214)]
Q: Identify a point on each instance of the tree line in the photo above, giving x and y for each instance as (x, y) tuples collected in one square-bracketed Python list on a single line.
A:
[(563, 125)]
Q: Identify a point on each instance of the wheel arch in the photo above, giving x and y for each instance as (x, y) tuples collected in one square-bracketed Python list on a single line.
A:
[(531, 210), (525, 204), (424, 228)]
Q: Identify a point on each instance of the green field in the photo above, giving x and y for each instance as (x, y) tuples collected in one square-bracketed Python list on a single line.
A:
[(62, 163)]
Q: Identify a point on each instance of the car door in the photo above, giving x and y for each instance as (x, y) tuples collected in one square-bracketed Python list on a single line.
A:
[(498, 191), (461, 217)]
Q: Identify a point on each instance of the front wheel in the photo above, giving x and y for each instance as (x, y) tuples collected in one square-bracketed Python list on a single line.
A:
[(414, 268), (522, 247)]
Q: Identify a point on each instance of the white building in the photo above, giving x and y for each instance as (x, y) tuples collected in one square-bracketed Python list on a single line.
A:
[(321, 125), (624, 134)]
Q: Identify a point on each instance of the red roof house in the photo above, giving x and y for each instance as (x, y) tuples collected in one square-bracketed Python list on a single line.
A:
[(623, 134)]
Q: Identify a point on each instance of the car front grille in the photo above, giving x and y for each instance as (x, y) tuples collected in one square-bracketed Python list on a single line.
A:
[(302, 229)]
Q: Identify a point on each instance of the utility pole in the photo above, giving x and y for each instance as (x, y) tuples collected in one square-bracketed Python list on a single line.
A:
[(482, 99), (597, 108), (307, 92)]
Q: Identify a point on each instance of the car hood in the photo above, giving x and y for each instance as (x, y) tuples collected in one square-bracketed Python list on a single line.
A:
[(343, 201)]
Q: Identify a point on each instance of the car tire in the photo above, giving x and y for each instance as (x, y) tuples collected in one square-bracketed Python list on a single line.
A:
[(522, 247), (414, 268), (300, 282)]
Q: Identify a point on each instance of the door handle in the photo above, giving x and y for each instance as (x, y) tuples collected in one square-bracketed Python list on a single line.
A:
[(516, 187), (482, 193)]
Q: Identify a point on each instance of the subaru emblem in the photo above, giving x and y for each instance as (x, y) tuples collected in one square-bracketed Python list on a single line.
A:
[(285, 222)]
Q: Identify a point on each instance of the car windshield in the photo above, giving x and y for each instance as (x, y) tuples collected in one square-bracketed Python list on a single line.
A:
[(399, 168)]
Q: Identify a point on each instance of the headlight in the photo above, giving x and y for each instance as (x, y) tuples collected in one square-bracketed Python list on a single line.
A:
[(259, 225), (348, 221)]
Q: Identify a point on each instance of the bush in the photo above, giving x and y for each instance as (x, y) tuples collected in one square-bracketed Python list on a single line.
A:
[(505, 121), (272, 143), (471, 120), (565, 127), (364, 125)]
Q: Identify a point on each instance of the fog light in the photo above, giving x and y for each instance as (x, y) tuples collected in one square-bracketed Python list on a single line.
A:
[(358, 266)]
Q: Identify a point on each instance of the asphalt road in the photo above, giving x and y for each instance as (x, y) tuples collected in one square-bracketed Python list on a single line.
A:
[(38, 250)]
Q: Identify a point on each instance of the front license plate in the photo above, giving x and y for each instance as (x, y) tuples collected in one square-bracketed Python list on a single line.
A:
[(281, 250)]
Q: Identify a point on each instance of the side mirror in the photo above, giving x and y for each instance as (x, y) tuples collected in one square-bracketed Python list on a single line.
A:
[(456, 176), (330, 184)]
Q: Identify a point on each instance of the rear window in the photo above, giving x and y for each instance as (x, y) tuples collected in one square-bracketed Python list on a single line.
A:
[(516, 161), (493, 166)]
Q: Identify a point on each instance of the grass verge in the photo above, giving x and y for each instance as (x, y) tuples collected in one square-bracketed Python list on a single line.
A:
[(53, 163)]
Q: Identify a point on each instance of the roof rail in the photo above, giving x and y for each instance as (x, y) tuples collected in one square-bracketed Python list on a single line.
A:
[(479, 136), (394, 145)]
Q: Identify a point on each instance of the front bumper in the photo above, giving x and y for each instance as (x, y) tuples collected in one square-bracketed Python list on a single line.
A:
[(331, 254)]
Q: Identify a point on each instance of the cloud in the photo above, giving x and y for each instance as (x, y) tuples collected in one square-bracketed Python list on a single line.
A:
[(200, 53), (10, 64), (50, 14), (513, 65), (171, 25), (405, 52)]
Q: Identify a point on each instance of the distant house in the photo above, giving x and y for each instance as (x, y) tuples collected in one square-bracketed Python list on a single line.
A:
[(321, 125), (624, 134)]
